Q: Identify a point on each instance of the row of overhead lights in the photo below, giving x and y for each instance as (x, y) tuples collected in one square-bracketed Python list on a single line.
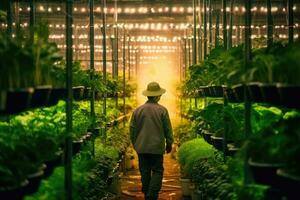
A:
[(145, 10), (131, 39), (152, 26), (132, 48)]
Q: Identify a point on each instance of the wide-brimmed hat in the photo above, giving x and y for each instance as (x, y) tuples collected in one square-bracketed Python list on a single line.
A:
[(153, 90)]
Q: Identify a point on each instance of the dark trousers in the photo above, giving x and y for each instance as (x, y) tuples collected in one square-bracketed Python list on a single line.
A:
[(151, 169)]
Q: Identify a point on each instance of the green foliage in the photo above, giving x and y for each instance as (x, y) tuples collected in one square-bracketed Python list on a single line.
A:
[(277, 63), (25, 62), (190, 151), (183, 133), (118, 137), (211, 176)]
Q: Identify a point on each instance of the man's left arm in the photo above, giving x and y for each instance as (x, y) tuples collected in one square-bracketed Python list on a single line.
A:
[(168, 131), (132, 129)]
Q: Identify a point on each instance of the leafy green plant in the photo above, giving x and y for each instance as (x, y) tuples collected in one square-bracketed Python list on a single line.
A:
[(27, 63), (191, 151), (183, 133), (211, 176), (277, 63)]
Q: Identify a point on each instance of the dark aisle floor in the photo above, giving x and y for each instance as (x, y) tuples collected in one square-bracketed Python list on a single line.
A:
[(171, 190)]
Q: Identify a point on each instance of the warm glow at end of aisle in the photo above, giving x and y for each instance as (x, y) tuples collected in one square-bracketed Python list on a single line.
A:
[(164, 71)]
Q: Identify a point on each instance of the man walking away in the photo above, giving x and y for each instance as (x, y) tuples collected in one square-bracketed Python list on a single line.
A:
[(151, 135)]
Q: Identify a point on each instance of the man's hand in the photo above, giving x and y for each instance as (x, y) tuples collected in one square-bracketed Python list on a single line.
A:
[(168, 148)]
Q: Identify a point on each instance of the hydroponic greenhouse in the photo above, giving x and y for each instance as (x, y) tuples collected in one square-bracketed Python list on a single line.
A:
[(75, 76)]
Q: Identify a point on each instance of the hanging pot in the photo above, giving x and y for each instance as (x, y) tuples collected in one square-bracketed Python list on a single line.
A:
[(216, 91), (238, 91), (15, 101), (14, 192), (217, 142), (270, 93), (51, 164), (254, 92), (289, 184), (207, 137), (40, 96), (34, 182), (265, 173), (56, 95), (87, 93), (289, 95), (78, 93), (230, 96), (76, 146)]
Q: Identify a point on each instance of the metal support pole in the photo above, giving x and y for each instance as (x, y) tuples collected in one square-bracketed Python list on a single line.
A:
[(189, 51), (124, 71), (129, 68), (224, 25), (69, 63), (92, 67), (225, 132), (246, 99), (32, 19), (290, 4), (238, 34), (185, 57), (210, 25), (104, 60), (230, 25), (217, 36), (200, 33), (9, 18), (205, 30), (194, 33), (269, 23)]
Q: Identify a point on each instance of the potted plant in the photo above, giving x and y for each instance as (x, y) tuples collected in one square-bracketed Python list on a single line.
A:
[(188, 153)]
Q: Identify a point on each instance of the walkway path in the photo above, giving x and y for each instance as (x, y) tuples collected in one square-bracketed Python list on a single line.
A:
[(171, 190)]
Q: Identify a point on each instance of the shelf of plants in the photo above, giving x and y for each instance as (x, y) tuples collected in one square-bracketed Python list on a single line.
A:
[(33, 123), (261, 165)]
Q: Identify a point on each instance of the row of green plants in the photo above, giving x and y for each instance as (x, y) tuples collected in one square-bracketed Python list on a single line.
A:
[(92, 174), (277, 63), (28, 62), (274, 140), (43, 129)]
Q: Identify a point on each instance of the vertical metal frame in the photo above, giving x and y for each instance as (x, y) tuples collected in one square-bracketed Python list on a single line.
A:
[(230, 24), (247, 103), (269, 23), (217, 32), (290, 4), (210, 13), (205, 29), (104, 68), (32, 19), (69, 63), (224, 25), (194, 33)]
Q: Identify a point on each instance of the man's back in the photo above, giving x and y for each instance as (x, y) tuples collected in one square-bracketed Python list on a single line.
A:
[(151, 125)]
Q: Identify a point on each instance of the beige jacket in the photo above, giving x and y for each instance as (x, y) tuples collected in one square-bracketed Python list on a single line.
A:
[(150, 128)]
